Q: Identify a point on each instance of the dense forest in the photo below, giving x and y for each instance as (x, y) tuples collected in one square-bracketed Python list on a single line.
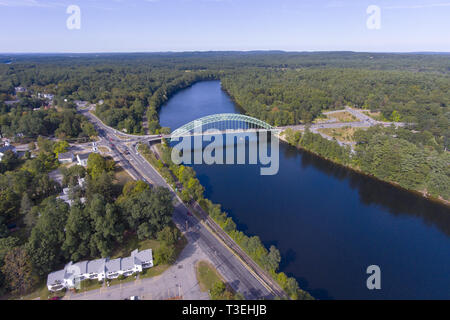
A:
[(414, 161), (48, 232), (279, 87), (129, 89)]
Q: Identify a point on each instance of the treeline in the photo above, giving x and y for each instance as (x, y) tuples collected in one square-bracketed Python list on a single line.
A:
[(51, 233), (184, 180), (278, 87), (23, 120), (285, 97), (413, 160), (315, 143), (127, 89)]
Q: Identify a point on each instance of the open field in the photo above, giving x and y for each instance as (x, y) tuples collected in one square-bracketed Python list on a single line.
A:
[(344, 134), (342, 116), (375, 115), (207, 275)]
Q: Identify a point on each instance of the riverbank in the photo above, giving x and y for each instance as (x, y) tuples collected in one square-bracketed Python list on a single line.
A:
[(184, 181), (321, 216), (428, 197)]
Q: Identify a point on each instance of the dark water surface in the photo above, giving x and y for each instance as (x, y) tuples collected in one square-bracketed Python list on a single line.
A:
[(329, 223)]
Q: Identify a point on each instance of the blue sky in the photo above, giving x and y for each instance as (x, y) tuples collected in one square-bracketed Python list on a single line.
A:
[(187, 25)]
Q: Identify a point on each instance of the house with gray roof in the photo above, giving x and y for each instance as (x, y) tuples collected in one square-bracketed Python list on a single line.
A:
[(100, 269), (66, 157), (113, 268)]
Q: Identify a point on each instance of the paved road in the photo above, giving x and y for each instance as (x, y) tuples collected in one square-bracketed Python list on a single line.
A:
[(230, 267), (364, 122)]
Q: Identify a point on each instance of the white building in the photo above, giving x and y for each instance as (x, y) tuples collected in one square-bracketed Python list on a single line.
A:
[(99, 269), (82, 159), (20, 89)]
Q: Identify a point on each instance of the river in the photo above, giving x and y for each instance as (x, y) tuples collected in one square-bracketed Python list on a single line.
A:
[(328, 222)]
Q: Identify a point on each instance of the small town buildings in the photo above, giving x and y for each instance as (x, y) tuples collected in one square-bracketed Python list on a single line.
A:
[(82, 159), (20, 89), (6, 148), (67, 157), (46, 96), (100, 269)]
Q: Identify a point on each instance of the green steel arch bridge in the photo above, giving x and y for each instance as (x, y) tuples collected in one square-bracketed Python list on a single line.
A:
[(222, 123)]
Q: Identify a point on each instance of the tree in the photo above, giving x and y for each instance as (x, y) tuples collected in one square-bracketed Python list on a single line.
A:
[(17, 270), (60, 147), (9, 161), (273, 259), (25, 204), (78, 233), (47, 237), (149, 211), (165, 254), (103, 185), (217, 291), (96, 165), (168, 235), (106, 224)]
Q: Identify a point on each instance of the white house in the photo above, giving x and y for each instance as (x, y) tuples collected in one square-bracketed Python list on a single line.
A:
[(20, 89), (82, 159), (99, 269), (65, 195)]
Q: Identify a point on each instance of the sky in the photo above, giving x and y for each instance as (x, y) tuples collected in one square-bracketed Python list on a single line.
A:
[(201, 25)]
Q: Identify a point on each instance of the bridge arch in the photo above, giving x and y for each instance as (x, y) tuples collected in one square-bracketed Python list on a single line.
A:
[(222, 121)]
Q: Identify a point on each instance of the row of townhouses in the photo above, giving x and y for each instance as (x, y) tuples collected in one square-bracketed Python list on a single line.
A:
[(99, 269)]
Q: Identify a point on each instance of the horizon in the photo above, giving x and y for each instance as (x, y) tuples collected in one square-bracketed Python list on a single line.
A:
[(224, 51), (147, 26)]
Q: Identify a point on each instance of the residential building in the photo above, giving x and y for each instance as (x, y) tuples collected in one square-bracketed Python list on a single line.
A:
[(99, 269), (82, 159), (20, 89), (67, 157)]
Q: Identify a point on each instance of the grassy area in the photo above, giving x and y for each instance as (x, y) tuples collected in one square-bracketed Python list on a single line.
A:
[(121, 176), (159, 269), (130, 243), (342, 116), (117, 281), (88, 285), (375, 115), (344, 134), (207, 275), (103, 149)]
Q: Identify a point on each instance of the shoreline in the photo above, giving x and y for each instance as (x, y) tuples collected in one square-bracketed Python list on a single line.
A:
[(415, 192)]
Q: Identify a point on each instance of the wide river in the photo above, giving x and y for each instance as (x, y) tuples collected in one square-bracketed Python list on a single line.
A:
[(328, 222)]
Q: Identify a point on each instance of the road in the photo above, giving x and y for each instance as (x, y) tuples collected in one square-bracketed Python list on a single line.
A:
[(364, 122), (242, 278)]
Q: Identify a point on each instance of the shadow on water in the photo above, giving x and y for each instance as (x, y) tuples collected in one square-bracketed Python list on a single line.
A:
[(371, 191)]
